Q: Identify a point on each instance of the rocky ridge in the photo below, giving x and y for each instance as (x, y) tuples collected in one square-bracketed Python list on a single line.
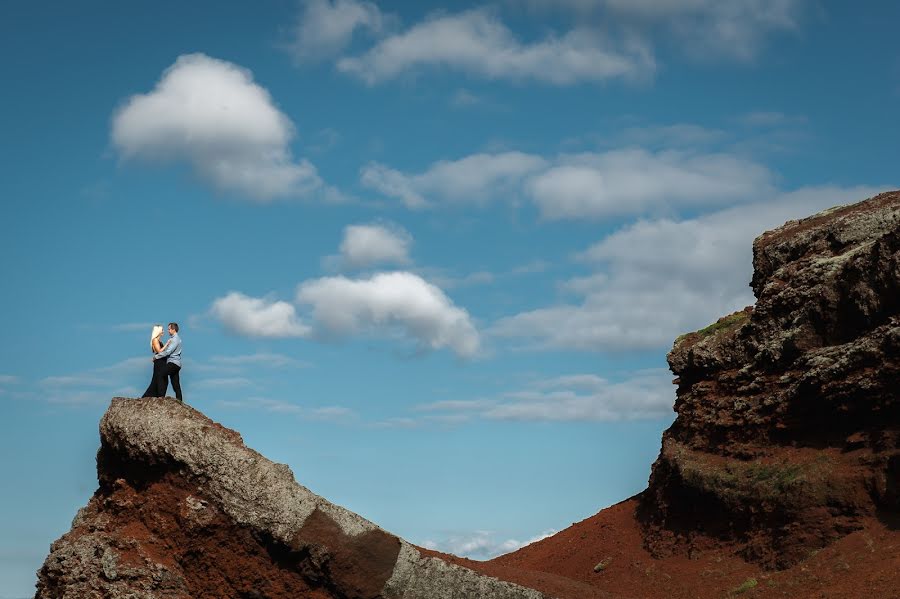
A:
[(186, 510)]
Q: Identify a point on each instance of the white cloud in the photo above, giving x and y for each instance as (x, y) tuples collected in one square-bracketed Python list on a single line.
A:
[(580, 397), (482, 544), (8, 379), (262, 403), (230, 382), (477, 43), (474, 178), (270, 360), (212, 114), (667, 277), (586, 185), (367, 245), (332, 413), (102, 377), (448, 280), (128, 327), (279, 406), (677, 135), (75, 380), (400, 422), (258, 317), (708, 29), (463, 98), (635, 181), (388, 301), (325, 27)]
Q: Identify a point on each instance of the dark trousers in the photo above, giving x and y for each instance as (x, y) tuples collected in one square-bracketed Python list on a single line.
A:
[(172, 370)]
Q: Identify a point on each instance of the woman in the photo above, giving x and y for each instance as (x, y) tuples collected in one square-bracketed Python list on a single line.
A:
[(158, 383)]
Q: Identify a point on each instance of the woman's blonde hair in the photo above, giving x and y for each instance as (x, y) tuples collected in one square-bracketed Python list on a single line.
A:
[(157, 331)]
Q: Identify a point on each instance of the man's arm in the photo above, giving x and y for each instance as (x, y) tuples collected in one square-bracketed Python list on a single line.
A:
[(171, 345)]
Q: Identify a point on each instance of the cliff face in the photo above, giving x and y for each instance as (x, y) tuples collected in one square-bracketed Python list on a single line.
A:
[(788, 427), (185, 510)]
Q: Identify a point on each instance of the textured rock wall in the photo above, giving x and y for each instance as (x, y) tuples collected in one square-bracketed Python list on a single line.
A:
[(186, 510), (788, 427)]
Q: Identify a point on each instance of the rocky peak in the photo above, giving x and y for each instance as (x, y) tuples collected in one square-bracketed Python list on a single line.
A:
[(186, 510)]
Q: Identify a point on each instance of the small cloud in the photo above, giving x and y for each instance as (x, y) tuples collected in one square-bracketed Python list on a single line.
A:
[(263, 403), (269, 360), (223, 383), (333, 413), (278, 406), (399, 422), (463, 98), (476, 178), (767, 119), (9, 379), (128, 327), (258, 317), (75, 380), (365, 246), (445, 280), (535, 266), (481, 544), (326, 27)]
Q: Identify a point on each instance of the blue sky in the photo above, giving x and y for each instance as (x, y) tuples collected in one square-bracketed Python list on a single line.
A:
[(432, 257)]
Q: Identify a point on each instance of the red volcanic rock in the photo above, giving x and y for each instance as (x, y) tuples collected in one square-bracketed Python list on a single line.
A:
[(788, 428)]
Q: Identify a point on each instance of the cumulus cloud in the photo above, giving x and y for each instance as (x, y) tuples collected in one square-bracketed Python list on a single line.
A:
[(367, 245), (476, 42), (258, 317), (211, 114), (482, 544), (474, 178), (401, 300), (663, 277), (578, 397), (590, 184), (389, 304), (325, 27)]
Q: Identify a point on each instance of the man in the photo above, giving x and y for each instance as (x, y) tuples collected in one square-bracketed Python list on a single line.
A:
[(172, 353)]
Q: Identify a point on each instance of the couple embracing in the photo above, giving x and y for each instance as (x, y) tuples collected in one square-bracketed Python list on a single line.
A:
[(166, 362)]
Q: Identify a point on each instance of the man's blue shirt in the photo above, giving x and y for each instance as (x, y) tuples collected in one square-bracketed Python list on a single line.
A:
[(172, 351)]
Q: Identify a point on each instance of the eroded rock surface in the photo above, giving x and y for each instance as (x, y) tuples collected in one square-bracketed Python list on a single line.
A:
[(788, 427), (186, 510)]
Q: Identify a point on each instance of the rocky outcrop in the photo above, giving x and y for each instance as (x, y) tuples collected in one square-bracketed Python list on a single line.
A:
[(788, 427), (186, 510)]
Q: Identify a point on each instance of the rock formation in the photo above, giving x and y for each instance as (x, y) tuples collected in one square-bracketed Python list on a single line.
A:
[(186, 510), (788, 427)]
